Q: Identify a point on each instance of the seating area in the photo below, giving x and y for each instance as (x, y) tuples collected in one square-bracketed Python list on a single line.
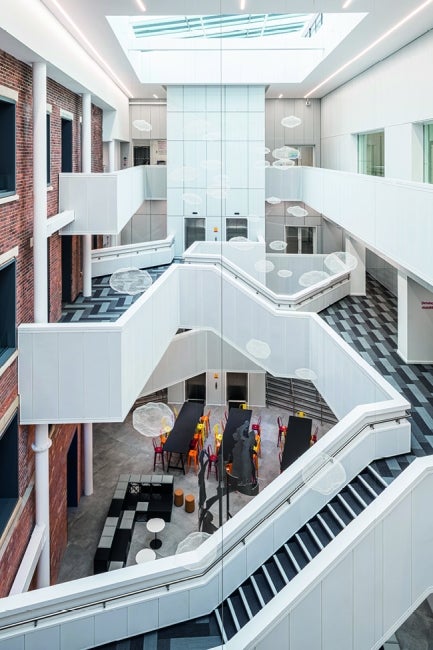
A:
[(137, 497)]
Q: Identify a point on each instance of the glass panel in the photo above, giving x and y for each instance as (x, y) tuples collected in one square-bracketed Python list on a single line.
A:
[(428, 153), (194, 231), (371, 154), (292, 239), (236, 228), (307, 240), (141, 156)]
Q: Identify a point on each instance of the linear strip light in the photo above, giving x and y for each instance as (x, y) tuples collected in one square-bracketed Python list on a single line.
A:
[(372, 45), (345, 5), (141, 5), (92, 48)]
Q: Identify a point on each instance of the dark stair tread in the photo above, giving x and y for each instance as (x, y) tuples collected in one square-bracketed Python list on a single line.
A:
[(286, 563), (275, 575), (227, 620), (263, 585), (333, 524), (341, 511), (239, 608), (351, 501), (251, 596), (320, 531), (298, 553), (309, 541)]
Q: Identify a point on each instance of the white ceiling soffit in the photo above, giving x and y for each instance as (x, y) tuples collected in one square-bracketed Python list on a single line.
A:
[(88, 22)]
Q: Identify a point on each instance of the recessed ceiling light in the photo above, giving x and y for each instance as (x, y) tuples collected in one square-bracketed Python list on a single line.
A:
[(381, 38), (243, 4), (279, 96), (156, 96), (347, 3), (141, 5)]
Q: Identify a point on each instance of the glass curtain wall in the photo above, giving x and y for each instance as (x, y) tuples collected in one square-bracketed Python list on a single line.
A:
[(371, 153), (428, 153)]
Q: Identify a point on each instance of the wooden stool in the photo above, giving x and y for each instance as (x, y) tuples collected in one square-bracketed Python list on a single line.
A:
[(178, 498), (189, 503)]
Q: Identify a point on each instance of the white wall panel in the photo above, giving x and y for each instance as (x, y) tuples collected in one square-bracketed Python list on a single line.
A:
[(41, 639), (111, 624), (278, 637), (77, 634), (102, 203), (384, 214), (306, 630), (142, 616), (337, 603), (364, 605), (397, 593), (422, 569), (173, 607)]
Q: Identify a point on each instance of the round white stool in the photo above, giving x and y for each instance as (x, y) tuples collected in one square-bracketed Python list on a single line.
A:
[(155, 526), (145, 555)]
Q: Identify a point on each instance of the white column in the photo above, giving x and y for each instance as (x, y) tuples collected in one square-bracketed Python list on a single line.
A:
[(114, 239), (88, 459), (42, 441), (86, 165), (40, 262), (87, 279), (415, 321), (357, 276), (42, 496)]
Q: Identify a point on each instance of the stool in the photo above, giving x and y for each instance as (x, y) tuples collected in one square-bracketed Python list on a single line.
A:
[(189, 503), (178, 498)]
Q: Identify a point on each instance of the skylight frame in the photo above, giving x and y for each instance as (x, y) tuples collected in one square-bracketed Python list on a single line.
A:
[(222, 26)]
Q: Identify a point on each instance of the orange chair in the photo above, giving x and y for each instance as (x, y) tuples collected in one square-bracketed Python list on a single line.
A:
[(192, 458), (205, 420), (258, 446), (158, 452), (213, 462)]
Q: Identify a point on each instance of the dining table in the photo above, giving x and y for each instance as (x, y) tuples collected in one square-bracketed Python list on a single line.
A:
[(182, 433), (236, 418), (297, 439)]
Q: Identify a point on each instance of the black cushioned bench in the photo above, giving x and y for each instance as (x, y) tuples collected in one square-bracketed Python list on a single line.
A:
[(137, 497)]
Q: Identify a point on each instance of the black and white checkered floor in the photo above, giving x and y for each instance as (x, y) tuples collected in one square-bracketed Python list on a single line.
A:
[(105, 304), (369, 324)]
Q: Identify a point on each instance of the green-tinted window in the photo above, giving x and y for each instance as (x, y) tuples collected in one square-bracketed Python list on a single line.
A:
[(371, 154), (428, 153)]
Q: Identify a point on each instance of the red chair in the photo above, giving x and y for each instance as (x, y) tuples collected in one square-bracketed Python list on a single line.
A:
[(213, 462), (281, 431), (158, 451)]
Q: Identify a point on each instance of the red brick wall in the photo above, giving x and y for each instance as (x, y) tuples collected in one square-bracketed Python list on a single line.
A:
[(61, 437), (16, 229), (14, 550)]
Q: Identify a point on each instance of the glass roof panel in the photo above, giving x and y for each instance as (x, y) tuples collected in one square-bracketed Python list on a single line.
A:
[(220, 25)]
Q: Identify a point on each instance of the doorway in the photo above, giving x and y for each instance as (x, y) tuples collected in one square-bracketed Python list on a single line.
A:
[(301, 240), (72, 473), (237, 389), (66, 268), (195, 388)]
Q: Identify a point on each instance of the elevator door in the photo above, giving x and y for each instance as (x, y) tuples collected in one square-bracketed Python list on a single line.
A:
[(301, 239), (194, 230)]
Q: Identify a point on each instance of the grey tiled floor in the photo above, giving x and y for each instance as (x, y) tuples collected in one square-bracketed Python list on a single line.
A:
[(369, 324)]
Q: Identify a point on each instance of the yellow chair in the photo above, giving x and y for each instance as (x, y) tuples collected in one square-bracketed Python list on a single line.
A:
[(300, 414)]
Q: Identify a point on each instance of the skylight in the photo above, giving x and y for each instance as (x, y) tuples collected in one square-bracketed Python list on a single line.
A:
[(220, 25)]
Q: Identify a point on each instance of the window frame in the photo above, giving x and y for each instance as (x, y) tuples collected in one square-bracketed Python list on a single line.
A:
[(11, 191), (8, 350), (365, 166)]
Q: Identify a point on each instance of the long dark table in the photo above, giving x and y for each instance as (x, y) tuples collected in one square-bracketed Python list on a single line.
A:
[(182, 432), (297, 441), (235, 419)]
